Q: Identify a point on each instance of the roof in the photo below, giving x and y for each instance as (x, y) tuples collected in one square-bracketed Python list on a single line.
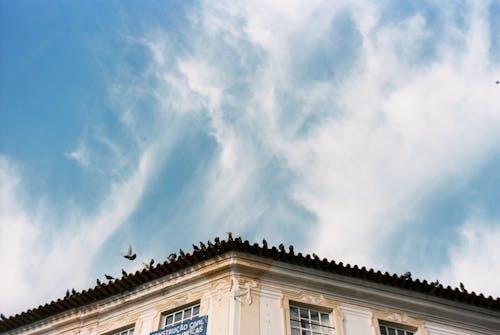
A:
[(220, 247)]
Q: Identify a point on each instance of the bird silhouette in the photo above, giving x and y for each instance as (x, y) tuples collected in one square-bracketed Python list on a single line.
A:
[(281, 247), (290, 248), (498, 82), (181, 253), (407, 275), (172, 257), (108, 277), (462, 287), (67, 294), (195, 247), (151, 262), (217, 239), (436, 283), (130, 255), (3, 317), (124, 272), (203, 246), (264, 243), (98, 282), (73, 291), (229, 236)]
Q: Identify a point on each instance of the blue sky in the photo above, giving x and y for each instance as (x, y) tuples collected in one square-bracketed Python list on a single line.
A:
[(367, 133)]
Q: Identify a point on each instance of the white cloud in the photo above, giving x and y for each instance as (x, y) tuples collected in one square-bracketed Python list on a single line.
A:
[(475, 259)]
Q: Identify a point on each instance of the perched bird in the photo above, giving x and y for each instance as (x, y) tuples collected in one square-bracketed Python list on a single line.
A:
[(3, 317), (181, 253), (151, 262), (264, 243), (407, 275), (98, 282), (203, 246), (73, 291), (281, 247), (290, 249), (67, 294), (436, 283), (315, 256), (130, 255), (229, 235), (210, 244), (217, 239), (462, 287), (108, 277), (172, 257), (195, 247), (124, 272)]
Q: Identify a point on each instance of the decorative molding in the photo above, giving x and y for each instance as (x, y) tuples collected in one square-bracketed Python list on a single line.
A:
[(401, 318)]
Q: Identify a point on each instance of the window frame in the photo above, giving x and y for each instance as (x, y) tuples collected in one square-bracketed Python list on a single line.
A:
[(119, 331), (397, 327), (331, 329), (174, 311)]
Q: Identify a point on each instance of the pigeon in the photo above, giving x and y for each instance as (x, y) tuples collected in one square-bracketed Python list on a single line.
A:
[(108, 277), (315, 256), (462, 287), (290, 248), (436, 283), (130, 255), (217, 240), (203, 246), (407, 275), (3, 317), (67, 294), (172, 257), (195, 247), (264, 243), (229, 235), (98, 282), (124, 272), (73, 291), (151, 262), (281, 247), (181, 253)]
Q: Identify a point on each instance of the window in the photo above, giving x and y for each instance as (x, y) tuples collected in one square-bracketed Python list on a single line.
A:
[(388, 328), (180, 315), (128, 331), (309, 321)]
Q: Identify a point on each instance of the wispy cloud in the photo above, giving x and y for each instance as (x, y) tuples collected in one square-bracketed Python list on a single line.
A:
[(329, 122)]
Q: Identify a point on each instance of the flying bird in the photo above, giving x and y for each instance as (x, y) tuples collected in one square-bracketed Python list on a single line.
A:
[(108, 277), (130, 255)]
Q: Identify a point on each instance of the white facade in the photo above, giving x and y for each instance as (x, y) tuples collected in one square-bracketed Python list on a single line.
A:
[(246, 294)]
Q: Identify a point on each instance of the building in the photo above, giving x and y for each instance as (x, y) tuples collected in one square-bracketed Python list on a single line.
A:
[(233, 287)]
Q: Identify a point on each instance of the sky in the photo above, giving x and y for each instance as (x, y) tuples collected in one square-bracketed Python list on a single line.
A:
[(368, 133)]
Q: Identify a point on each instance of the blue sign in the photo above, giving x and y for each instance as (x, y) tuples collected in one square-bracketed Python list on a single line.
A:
[(195, 326)]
